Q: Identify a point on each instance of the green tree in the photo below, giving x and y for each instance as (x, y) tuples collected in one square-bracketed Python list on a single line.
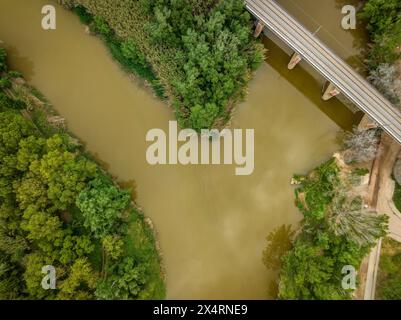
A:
[(75, 247), (13, 128), (126, 281), (44, 230), (33, 276), (30, 149), (3, 58), (114, 246), (347, 218), (31, 191), (80, 282), (64, 173), (10, 279)]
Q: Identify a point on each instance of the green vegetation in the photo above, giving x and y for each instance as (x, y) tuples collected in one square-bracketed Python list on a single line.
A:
[(335, 232), (125, 52), (199, 53), (389, 276), (57, 207)]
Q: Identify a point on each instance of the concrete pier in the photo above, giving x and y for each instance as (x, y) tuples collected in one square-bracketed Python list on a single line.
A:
[(295, 59), (330, 91), (259, 28)]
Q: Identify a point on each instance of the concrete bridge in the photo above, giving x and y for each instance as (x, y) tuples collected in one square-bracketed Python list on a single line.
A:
[(341, 78)]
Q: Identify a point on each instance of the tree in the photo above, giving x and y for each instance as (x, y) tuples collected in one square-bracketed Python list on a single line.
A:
[(79, 283), (114, 246), (384, 25), (12, 243), (101, 205), (3, 58), (31, 191), (33, 276), (13, 128), (64, 173), (387, 80), (202, 52), (202, 118), (279, 243), (397, 171), (44, 230), (126, 281), (10, 279), (347, 218)]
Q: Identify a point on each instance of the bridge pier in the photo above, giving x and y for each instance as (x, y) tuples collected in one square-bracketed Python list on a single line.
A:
[(259, 28), (330, 91), (295, 59)]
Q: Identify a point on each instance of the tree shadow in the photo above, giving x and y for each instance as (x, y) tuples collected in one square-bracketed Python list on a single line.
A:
[(303, 81), (279, 242)]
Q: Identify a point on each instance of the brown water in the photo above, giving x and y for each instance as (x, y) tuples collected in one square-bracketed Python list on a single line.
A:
[(211, 224)]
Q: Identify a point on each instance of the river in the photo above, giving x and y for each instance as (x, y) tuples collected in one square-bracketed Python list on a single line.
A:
[(211, 224)]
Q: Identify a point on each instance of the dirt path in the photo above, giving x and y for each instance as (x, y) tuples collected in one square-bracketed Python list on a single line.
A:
[(385, 188)]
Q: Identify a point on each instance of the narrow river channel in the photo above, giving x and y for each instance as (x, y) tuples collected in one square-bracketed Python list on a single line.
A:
[(211, 224)]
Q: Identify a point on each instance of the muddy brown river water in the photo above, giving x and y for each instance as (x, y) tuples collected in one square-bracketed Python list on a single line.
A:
[(211, 224)]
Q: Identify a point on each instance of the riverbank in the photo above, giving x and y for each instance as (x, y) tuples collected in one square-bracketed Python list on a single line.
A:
[(68, 207), (338, 229)]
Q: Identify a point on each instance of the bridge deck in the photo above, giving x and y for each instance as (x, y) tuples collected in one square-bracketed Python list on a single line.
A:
[(333, 68)]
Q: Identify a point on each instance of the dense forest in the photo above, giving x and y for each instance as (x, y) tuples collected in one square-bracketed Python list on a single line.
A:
[(199, 54), (59, 208)]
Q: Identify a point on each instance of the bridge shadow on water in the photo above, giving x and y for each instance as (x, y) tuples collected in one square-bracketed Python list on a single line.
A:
[(311, 87)]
